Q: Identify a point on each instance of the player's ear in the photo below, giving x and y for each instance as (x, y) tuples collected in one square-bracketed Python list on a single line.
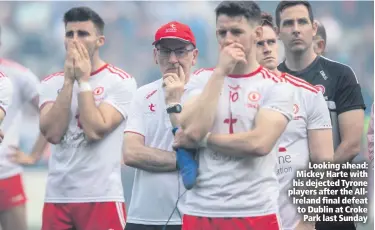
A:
[(277, 31), (195, 56), (258, 33), (315, 28), (156, 56), (100, 41)]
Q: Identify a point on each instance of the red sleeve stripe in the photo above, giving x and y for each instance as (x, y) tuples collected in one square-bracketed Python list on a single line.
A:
[(198, 71), (53, 75), (118, 71), (44, 104), (300, 83), (267, 75), (2, 75), (134, 133), (122, 71)]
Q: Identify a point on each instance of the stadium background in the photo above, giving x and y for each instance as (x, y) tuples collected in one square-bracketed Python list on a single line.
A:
[(33, 32)]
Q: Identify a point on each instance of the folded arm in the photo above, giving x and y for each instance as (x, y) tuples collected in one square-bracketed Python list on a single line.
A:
[(97, 121), (269, 125), (137, 155), (199, 112), (55, 115)]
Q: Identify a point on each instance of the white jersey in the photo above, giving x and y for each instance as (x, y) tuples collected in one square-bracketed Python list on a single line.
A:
[(238, 186), (310, 112), (88, 172), (25, 89), (153, 191), (6, 93)]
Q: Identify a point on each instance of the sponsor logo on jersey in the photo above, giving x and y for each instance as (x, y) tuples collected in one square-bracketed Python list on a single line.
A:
[(323, 75), (152, 107)]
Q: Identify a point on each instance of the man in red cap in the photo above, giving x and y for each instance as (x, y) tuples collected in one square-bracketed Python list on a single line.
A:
[(148, 136)]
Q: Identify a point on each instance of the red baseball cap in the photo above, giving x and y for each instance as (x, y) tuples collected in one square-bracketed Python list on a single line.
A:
[(175, 30)]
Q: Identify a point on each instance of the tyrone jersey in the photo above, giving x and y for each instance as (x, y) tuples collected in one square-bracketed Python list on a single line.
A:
[(238, 186), (6, 93), (25, 89), (80, 171), (153, 190), (310, 112)]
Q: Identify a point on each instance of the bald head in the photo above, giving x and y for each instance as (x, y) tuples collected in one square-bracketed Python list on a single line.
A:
[(320, 39)]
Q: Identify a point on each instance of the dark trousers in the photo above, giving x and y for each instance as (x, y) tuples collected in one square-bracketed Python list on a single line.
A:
[(130, 226)]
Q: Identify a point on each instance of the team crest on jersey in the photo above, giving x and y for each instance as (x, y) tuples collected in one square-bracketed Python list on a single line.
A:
[(253, 98), (321, 88), (295, 108), (98, 93), (295, 111)]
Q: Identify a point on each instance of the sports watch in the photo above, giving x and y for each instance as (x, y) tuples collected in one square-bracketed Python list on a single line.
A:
[(174, 108)]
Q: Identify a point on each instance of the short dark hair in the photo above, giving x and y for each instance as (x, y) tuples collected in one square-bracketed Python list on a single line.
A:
[(321, 31), (286, 4), (249, 9), (82, 14), (267, 20)]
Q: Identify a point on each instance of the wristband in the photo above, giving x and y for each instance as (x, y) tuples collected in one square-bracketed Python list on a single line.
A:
[(84, 87), (203, 143)]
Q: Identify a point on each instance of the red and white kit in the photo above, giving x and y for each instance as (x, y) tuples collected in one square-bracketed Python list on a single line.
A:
[(84, 187)]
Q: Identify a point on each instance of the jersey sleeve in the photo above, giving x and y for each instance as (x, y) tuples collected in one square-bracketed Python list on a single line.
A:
[(136, 121), (6, 93), (29, 86), (121, 94), (279, 97), (49, 89), (317, 112), (196, 83), (348, 94)]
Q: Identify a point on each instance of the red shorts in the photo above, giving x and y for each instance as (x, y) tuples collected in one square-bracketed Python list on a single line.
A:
[(268, 222), (11, 193), (84, 216)]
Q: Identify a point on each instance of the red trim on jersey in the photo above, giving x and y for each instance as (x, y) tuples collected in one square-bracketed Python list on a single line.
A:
[(11, 63), (299, 82), (198, 71), (150, 94), (2, 75), (99, 70), (53, 75), (266, 75), (44, 104), (282, 149), (134, 133), (117, 71), (247, 75)]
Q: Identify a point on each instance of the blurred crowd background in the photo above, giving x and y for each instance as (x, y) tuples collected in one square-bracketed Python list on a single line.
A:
[(32, 34)]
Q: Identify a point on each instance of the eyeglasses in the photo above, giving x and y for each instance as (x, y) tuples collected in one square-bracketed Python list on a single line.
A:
[(180, 52)]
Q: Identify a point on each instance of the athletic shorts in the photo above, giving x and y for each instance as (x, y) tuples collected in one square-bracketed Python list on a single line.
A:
[(12, 193), (268, 222), (84, 216), (131, 226)]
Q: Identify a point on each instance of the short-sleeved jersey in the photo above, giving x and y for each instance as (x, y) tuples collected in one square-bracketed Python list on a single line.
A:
[(82, 171), (238, 186), (310, 112), (25, 89), (153, 191), (338, 84), (6, 93)]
